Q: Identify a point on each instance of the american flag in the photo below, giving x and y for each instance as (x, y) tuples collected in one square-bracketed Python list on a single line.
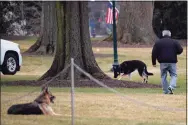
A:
[(109, 13)]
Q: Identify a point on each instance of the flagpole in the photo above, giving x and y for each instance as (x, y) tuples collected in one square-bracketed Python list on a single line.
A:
[(116, 64)]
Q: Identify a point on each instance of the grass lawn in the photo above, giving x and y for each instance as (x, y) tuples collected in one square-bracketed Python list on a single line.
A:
[(98, 106)]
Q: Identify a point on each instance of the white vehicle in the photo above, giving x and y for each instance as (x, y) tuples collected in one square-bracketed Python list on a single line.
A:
[(11, 59)]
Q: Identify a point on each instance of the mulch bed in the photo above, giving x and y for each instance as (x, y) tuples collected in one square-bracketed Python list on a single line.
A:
[(83, 83)]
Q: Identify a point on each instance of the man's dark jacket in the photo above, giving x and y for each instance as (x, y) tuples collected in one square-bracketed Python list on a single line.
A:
[(166, 50)]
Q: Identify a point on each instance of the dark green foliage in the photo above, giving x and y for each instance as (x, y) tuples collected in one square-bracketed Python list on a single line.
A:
[(173, 15), (16, 11), (5, 7), (32, 14)]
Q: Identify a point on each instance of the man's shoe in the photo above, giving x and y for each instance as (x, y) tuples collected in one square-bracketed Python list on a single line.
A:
[(170, 90)]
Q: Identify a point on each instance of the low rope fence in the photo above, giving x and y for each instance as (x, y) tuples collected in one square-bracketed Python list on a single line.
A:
[(34, 90), (123, 96), (137, 102), (140, 103)]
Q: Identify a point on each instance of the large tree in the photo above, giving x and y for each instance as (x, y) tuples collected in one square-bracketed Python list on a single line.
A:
[(45, 43), (135, 22), (73, 41)]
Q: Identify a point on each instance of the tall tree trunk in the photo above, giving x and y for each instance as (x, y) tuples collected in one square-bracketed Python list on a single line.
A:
[(73, 40), (45, 44), (135, 22)]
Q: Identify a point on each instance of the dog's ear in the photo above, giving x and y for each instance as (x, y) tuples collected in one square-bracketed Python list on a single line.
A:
[(45, 89)]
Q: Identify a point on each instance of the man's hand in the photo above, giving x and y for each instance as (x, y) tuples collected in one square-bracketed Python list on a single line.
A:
[(154, 65)]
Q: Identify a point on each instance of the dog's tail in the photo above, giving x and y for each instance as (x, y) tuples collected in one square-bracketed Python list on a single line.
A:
[(148, 73)]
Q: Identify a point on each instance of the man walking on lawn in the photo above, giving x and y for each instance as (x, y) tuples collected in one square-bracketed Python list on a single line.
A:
[(165, 50)]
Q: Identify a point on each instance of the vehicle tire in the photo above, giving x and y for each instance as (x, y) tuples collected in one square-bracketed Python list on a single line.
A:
[(10, 64)]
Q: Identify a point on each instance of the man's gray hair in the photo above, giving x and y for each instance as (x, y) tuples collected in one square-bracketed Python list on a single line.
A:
[(166, 33)]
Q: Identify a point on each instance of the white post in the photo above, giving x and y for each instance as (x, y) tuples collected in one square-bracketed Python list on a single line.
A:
[(72, 90)]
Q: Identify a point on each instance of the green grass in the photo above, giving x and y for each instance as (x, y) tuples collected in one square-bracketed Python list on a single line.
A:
[(25, 44), (98, 106), (19, 77), (143, 54), (35, 66), (96, 39)]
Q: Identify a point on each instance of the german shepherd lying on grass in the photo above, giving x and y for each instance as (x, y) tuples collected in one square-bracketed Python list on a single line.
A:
[(40, 106), (127, 67)]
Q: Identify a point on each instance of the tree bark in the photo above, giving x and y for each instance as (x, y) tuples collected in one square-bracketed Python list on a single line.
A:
[(135, 22), (45, 44), (73, 41)]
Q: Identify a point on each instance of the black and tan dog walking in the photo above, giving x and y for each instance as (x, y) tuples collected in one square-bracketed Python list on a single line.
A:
[(127, 67)]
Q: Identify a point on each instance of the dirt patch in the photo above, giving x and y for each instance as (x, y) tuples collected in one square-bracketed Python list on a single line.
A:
[(83, 83)]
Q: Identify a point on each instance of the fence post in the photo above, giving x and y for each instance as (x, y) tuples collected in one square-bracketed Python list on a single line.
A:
[(72, 90)]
